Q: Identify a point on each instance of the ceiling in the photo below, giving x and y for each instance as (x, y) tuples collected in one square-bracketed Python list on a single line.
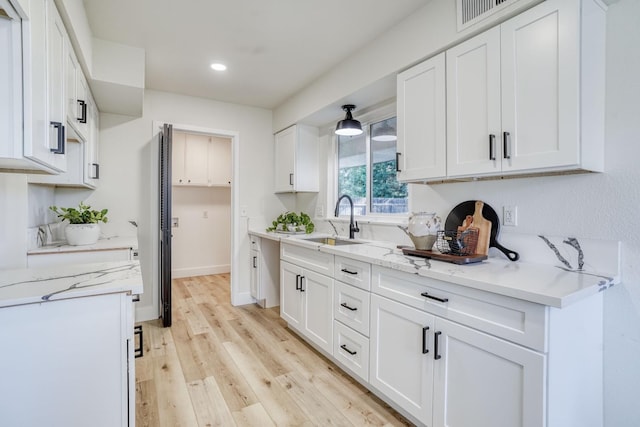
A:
[(273, 48)]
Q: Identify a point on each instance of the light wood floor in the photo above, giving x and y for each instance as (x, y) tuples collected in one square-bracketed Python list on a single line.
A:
[(220, 365)]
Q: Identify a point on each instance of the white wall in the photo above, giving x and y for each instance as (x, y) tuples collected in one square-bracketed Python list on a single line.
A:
[(201, 244), (422, 34), (597, 206), (13, 220), (128, 175)]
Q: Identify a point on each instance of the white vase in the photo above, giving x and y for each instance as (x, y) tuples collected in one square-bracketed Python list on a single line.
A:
[(82, 234)]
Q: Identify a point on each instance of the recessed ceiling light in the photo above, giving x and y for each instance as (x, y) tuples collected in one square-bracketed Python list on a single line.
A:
[(218, 66)]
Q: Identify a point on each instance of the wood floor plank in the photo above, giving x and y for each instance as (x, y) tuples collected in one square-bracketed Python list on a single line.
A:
[(220, 327), (192, 364), (174, 404), (227, 366), (146, 404), (274, 398), (253, 415), (319, 410), (356, 407), (209, 404), (219, 364), (262, 345), (197, 321)]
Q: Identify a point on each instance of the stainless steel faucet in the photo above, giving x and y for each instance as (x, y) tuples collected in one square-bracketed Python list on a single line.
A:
[(353, 226)]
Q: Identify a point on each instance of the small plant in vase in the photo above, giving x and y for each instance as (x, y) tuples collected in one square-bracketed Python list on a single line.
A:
[(290, 222), (84, 227)]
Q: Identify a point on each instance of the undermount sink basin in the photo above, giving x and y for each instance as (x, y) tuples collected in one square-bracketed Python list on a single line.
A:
[(332, 241)]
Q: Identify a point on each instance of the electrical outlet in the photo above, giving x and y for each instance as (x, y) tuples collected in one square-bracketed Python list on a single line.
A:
[(319, 211), (205, 214), (243, 211), (510, 216)]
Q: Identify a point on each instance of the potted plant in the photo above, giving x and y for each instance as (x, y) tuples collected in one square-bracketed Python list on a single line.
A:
[(290, 222), (83, 227)]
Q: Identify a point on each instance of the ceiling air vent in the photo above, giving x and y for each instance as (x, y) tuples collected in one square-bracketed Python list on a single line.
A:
[(472, 11)]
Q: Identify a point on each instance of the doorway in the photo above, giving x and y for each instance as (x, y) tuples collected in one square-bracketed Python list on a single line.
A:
[(210, 196), (201, 204)]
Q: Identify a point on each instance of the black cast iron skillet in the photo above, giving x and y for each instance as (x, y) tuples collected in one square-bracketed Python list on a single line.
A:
[(459, 213)]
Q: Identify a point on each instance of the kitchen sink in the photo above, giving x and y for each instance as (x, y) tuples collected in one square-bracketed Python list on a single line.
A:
[(332, 241)]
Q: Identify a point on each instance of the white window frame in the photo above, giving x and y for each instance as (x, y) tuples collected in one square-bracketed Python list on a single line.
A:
[(366, 119)]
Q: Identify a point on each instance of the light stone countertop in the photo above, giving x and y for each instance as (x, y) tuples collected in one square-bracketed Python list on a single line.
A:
[(107, 244), (36, 285), (557, 284)]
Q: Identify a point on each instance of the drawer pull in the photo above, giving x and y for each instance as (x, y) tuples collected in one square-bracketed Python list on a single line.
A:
[(344, 347), (426, 295), (298, 282), (344, 304), (344, 270), (425, 350), (301, 288), (138, 351), (436, 335)]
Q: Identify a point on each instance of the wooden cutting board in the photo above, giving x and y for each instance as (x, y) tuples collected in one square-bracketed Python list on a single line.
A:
[(484, 229)]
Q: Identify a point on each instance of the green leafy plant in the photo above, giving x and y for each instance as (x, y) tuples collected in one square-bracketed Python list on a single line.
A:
[(290, 221), (82, 215)]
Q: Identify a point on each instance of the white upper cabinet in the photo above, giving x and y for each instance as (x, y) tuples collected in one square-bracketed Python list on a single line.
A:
[(92, 152), (528, 96), (219, 161), (35, 49), (190, 161), (77, 92), (421, 121), (201, 160), (296, 160), (57, 44), (473, 105)]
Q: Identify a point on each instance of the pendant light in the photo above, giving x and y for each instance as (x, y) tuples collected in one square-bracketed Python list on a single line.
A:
[(348, 126)]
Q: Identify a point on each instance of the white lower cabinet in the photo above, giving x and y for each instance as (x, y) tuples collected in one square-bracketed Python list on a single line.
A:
[(447, 355), (481, 380), (401, 366), (446, 374), (306, 303), (68, 362)]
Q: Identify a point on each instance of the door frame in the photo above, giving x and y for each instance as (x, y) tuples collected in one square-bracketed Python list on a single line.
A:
[(235, 197)]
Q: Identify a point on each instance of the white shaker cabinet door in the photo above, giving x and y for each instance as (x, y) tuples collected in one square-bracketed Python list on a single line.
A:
[(541, 87), (422, 121), (57, 50), (285, 155), (318, 309), (481, 380), (290, 295), (473, 106), (401, 356)]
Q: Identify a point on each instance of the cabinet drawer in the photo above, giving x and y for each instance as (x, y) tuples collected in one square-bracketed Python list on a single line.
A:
[(356, 273), (515, 320), (351, 307), (320, 262), (351, 349)]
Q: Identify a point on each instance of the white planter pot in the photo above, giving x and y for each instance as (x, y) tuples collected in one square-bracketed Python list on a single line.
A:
[(82, 234)]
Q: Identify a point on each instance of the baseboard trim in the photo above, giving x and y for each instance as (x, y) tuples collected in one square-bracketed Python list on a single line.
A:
[(179, 273)]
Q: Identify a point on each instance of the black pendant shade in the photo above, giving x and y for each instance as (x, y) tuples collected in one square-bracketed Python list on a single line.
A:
[(348, 126)]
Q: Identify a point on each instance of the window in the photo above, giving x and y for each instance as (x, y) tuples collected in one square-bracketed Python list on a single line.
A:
[(367, 171)]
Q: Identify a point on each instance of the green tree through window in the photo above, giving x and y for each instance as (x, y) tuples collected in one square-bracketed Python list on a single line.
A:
[(383, 193)]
